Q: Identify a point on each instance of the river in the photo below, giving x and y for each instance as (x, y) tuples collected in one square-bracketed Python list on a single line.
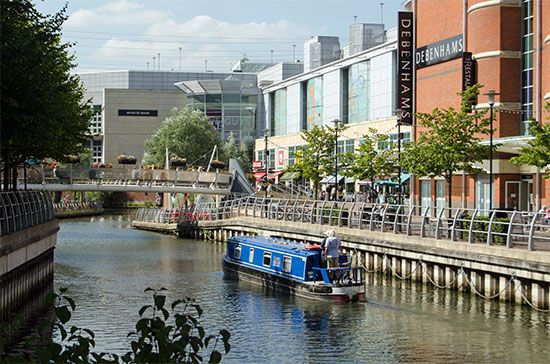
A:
[(106, 265)]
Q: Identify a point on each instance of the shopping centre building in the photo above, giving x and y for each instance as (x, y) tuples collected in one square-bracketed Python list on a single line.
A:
[(359, 90), (509, 40), (503, 45)]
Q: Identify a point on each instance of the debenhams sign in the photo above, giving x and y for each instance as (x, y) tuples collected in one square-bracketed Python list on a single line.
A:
[(438, 52)]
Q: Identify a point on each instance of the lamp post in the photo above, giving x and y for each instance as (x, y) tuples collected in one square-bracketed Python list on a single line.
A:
[(491, 98), (335, 121), (399, 186), (266, 131)]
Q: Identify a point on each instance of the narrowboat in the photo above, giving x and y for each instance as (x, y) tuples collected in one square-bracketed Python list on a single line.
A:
[(292, 267)]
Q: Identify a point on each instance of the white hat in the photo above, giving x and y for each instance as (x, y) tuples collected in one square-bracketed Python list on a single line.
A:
[(329, 233)]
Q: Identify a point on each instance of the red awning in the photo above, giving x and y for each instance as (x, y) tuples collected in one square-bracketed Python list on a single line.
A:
[(259, 175), (275, 174)]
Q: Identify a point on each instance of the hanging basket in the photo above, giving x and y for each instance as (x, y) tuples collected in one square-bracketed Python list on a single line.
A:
[(126, 159), (72, 159), (178, 162), (217, 164)]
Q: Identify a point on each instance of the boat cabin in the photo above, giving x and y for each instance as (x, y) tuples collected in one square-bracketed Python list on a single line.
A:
[(275, 256)]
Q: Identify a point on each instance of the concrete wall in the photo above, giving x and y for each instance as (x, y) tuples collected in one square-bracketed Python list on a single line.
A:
[(127, 134), (26, 276)]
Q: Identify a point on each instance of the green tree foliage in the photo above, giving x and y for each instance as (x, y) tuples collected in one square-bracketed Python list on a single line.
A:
[(238, 151), (163, 334), (449, 141), (43, 113), (187, 134), (370, 161), (315, 159), (537, 152)]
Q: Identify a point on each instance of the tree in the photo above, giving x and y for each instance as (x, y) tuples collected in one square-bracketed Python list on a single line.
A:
[(370, 161), (187, 134), (316, 159), (537, 152), (449, 143), (43, 112), (238, 151)]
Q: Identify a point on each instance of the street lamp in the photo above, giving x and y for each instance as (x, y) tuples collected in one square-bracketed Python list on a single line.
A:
[(335, 121), (491, 97), (399, 192)]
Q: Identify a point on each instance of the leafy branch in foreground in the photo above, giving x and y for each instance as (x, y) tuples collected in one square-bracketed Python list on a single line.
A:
[(162, 335)]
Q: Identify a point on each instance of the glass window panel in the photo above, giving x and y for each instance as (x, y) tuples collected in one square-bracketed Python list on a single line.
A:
[(358, 92), (314, 102), (280, 112)]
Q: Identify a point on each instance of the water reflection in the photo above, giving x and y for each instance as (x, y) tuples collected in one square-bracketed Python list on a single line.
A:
[(107, 265)]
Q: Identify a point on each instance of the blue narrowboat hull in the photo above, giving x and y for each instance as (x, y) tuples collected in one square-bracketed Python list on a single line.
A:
[(347, 292)]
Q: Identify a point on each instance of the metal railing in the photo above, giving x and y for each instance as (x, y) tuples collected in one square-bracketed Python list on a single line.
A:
[(22, 209), (124, 175), (76, 206), (512, 229)]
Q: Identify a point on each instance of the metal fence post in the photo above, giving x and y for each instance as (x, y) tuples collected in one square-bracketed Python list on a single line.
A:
[(530, 245), (471, 229), (490, 228)]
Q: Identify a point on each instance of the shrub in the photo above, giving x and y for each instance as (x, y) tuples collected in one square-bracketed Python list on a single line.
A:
[(499, 229)]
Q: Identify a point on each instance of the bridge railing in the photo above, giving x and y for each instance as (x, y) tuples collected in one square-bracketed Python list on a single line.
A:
[(22, 209), (124, 174), (512, 229)]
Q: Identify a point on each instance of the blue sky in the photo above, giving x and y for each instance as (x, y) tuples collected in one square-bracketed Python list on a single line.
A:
[(126, 34)]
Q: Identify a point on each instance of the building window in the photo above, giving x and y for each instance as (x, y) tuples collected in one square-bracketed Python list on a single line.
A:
[(251, 255), (287, 264), (97, 150), (271, 159), (314, 102), (393, 140), (358, 92), (96, 121), (527, 65), (267, 259), (292, 155), (260, 156), (237, 253), (280, 112)]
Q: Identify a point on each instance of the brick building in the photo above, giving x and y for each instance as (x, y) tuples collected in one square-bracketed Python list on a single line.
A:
[(510, 41)]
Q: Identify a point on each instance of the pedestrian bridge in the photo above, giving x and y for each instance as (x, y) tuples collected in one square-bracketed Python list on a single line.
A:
[(127, 180)]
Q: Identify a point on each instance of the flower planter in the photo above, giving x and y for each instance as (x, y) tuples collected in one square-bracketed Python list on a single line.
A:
[(217, 164), (178, 162), (126, 159), (72, 159)]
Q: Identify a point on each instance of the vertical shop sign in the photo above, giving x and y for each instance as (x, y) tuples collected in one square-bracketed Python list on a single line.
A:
[(405, 63)]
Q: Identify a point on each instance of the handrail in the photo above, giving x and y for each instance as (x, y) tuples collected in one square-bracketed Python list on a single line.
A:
[(511, 229), (22, 209)]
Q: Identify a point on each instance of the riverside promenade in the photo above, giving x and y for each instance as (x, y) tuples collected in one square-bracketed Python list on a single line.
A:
[(495, 254)]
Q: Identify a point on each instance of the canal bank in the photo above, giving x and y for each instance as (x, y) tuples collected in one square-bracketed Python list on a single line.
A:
[(491, 271)]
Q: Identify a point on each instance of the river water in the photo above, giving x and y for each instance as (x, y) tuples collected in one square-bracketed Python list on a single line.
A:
[(106, 265)]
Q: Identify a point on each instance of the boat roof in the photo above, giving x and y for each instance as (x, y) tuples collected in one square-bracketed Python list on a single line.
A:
[(279, 244)]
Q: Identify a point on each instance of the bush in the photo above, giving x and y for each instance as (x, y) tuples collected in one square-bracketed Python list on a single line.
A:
[(499, 229), (163, 335)]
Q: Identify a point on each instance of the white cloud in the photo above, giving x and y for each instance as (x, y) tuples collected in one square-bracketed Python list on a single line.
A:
[(207, 26), (121, 12), (201, 38)]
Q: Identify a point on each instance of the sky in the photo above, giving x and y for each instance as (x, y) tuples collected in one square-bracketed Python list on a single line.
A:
[(212, 34)]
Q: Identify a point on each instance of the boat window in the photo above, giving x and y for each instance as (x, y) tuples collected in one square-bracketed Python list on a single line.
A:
[(287, 262), (237, 253), (251, 255), (267, 259)]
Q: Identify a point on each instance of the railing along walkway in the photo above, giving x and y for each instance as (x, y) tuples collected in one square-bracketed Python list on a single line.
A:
[(22, 209), (512, 229)]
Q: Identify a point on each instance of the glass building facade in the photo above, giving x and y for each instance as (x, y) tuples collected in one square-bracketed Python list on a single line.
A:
[(230, 106), (314, 103), (358, 92)]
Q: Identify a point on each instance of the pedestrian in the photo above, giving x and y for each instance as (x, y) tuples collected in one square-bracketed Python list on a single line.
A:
[(546, 219)]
